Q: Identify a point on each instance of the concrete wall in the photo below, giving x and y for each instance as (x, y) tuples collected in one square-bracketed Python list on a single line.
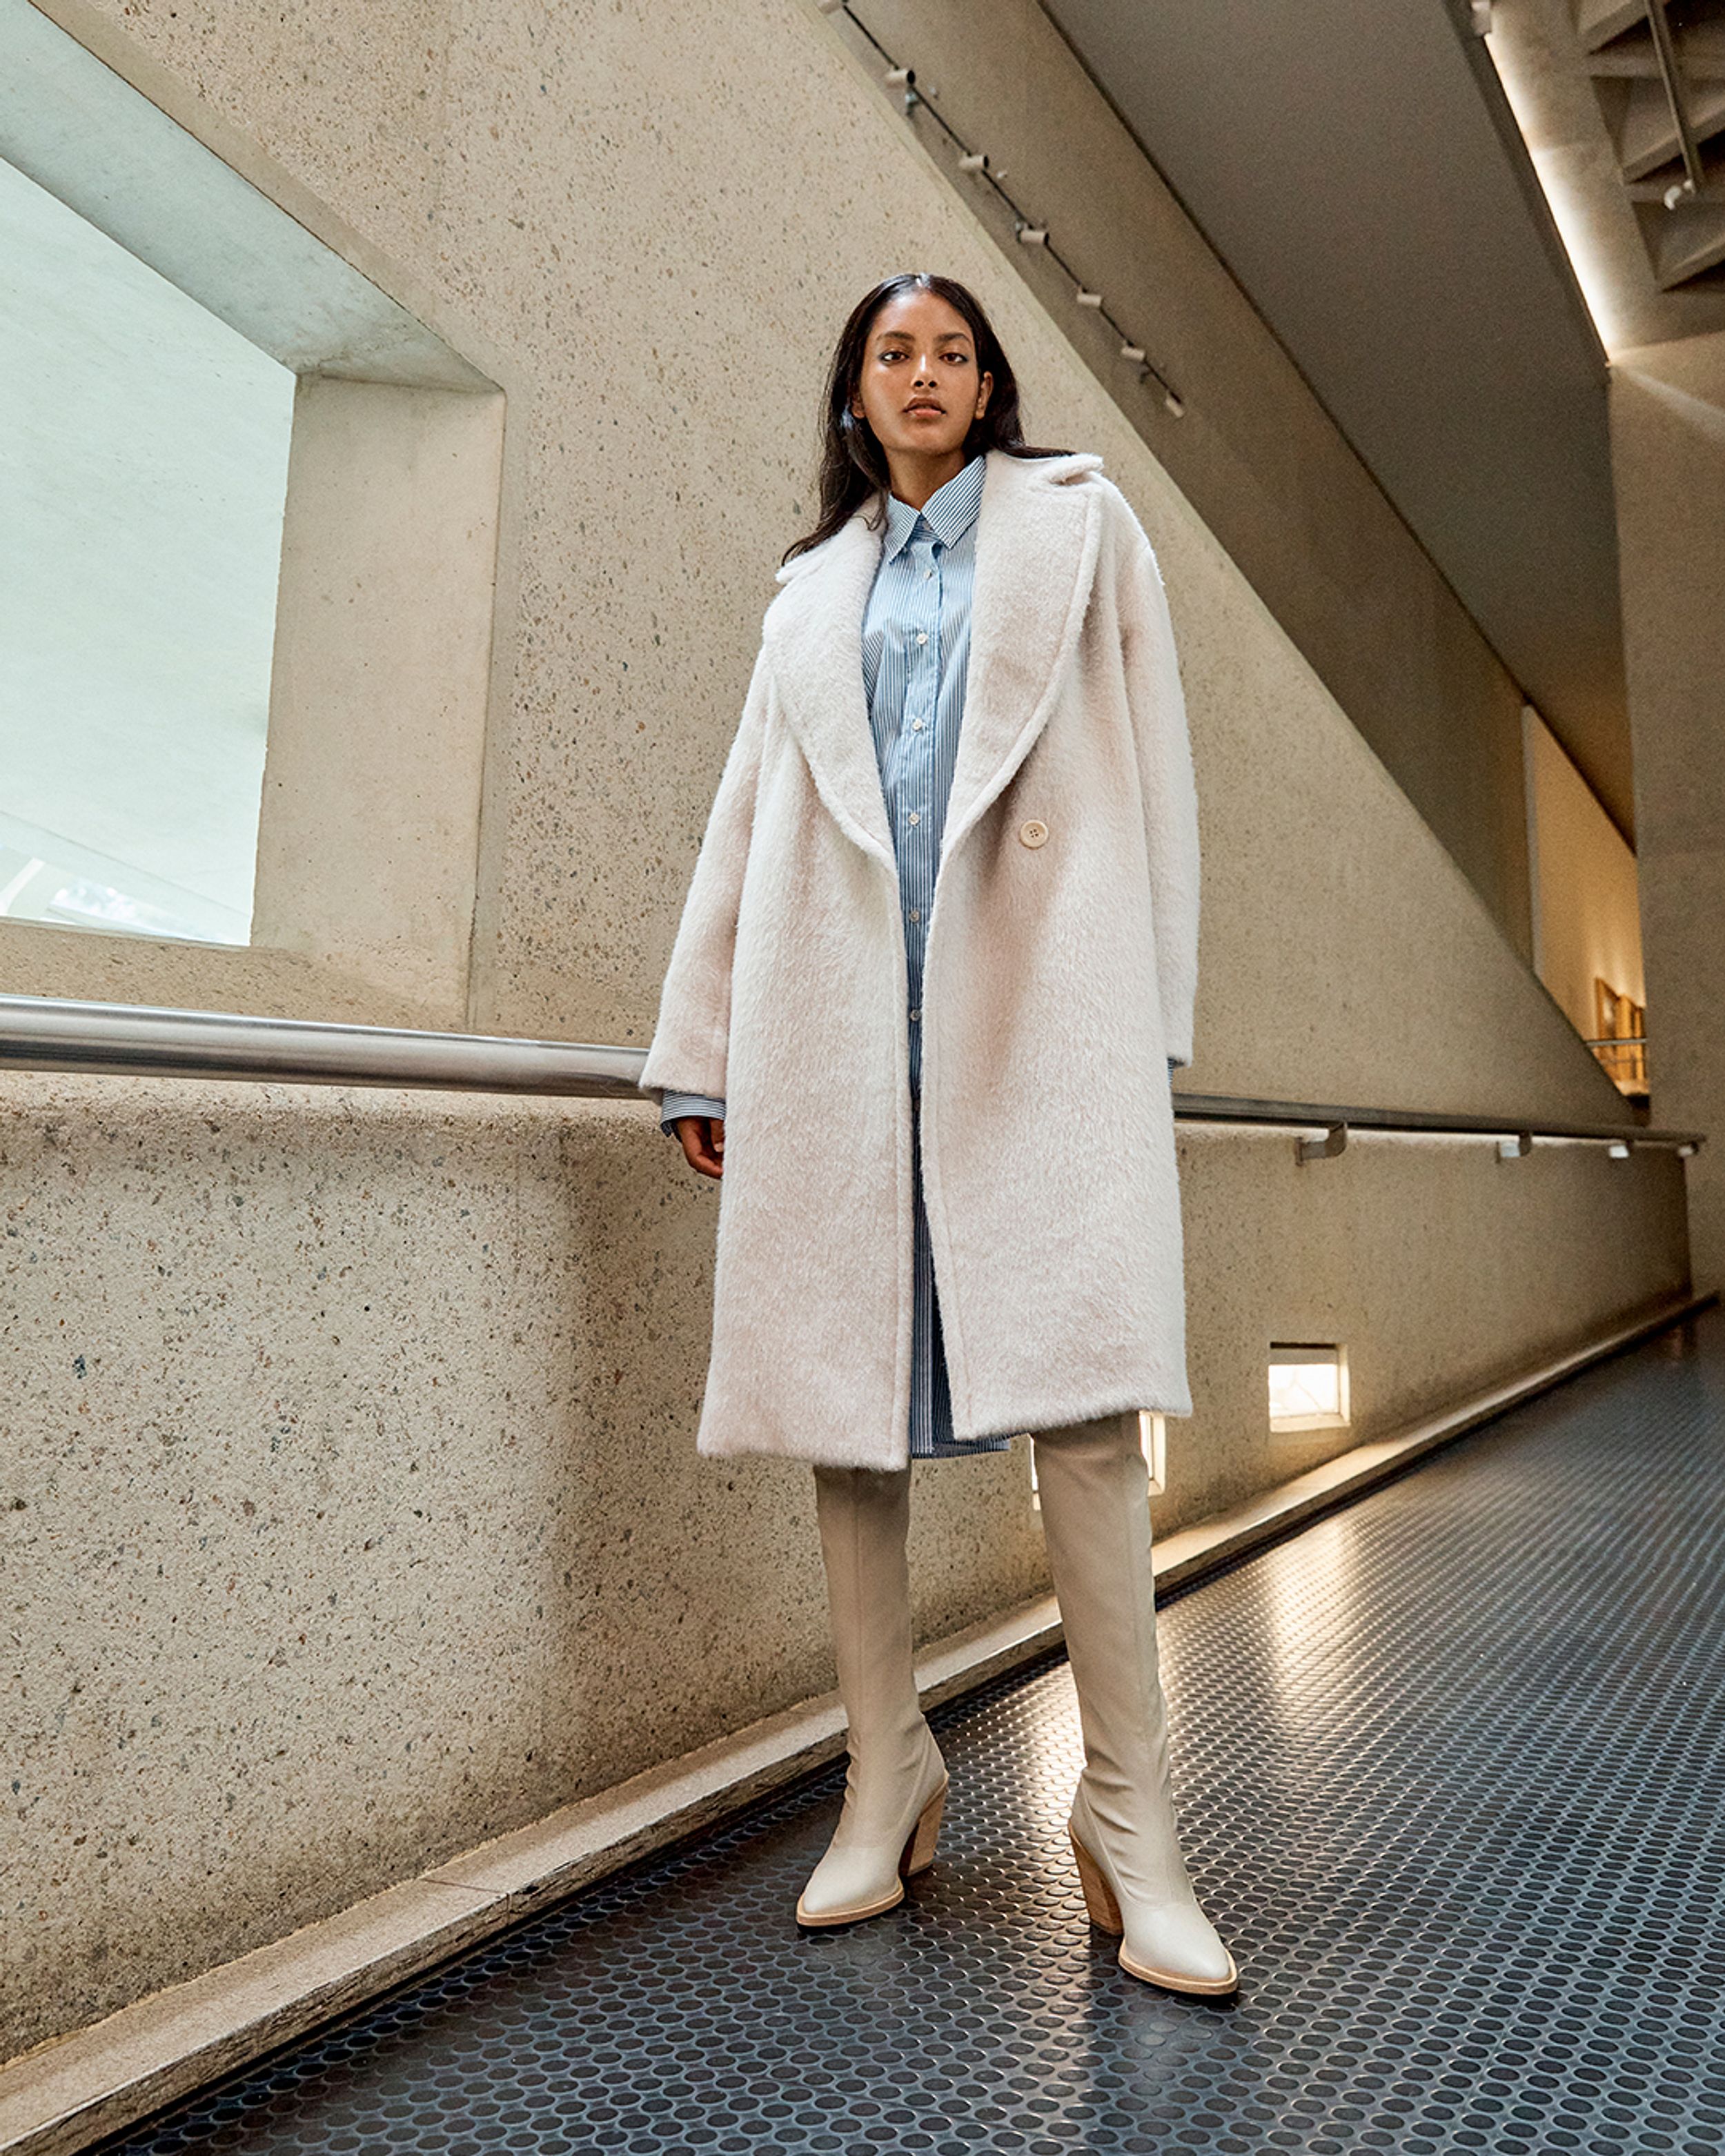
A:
[(1668, 453), (352, 1513), (1255, 454), (1587, 909)]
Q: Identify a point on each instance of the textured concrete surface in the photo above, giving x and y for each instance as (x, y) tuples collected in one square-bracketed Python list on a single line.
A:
[(354, 1509), (1668, 447), (351, 1510), (1439, 1267), (368, 833), (1587, 891)]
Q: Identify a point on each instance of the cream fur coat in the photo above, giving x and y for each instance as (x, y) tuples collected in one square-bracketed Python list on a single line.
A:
[(1061, 967)]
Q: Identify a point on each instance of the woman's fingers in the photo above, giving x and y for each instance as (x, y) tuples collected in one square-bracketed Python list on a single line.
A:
[(703, 1138)]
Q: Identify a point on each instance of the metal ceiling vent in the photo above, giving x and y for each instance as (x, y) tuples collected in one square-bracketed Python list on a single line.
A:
[(1658, 70)]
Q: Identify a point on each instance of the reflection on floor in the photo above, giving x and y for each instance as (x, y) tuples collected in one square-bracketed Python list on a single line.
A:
[(1452, 1769)]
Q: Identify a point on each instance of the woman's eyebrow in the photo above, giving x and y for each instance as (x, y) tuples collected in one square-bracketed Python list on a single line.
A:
[(904, 337)]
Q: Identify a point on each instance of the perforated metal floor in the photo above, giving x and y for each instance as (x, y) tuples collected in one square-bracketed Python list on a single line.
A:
[(1451, 1765)]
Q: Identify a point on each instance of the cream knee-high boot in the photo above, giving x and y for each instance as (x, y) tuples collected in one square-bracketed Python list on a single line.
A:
[(896, 1782), (1095, 1518)]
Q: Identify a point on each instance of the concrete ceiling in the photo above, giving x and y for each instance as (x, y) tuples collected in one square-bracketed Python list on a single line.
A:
[(1357, 167)]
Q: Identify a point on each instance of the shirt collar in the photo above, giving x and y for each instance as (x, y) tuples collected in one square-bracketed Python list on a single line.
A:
[(949, 511)]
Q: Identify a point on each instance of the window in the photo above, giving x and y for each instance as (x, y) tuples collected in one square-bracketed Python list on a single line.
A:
[(1619, 1038), (144, 465), (1308, 1386), (250, 552)]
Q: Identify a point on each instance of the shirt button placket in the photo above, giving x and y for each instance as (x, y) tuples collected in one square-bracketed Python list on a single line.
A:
[(917, 738)]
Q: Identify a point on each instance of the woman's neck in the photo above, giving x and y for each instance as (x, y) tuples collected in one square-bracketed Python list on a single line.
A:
[(914, 478)]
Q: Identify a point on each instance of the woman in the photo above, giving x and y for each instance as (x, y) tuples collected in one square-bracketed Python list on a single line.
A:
[(949, 1209)]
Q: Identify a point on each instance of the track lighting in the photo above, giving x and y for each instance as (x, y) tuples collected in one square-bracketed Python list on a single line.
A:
[(1026, 233)]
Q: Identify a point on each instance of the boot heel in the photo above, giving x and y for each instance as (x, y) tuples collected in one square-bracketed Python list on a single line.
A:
[(1098, 1894), (919, 1850)]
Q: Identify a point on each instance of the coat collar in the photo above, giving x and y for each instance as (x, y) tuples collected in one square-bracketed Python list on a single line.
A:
[(1037, 535)]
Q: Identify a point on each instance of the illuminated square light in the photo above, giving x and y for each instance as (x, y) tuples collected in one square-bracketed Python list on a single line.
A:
[(1308, 1386)]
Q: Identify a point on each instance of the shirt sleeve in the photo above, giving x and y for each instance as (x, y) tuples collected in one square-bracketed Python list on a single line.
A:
[(674, 1104)]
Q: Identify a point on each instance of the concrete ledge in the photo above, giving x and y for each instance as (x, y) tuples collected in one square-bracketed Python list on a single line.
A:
[(99, 2080)]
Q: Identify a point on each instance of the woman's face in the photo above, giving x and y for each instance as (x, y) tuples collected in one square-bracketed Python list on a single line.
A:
[(919, 389)]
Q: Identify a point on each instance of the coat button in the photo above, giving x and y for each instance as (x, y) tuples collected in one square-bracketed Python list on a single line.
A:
[(1034, 832)]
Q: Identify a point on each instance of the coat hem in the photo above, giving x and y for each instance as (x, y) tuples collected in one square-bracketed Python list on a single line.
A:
[(1135, 1403), (1036, 1425)]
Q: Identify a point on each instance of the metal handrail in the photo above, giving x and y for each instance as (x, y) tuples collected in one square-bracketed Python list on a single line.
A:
[(1671, 79), (51, 1033), (1311, 1115), (47, 1033)]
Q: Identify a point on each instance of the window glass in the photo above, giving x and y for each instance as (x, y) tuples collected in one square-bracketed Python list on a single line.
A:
[(143, 467)]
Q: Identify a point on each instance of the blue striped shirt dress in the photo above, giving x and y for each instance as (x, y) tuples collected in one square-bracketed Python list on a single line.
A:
[(915, 654)]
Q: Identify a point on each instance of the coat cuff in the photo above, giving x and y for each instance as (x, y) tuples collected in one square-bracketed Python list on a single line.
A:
[(671, 1105)]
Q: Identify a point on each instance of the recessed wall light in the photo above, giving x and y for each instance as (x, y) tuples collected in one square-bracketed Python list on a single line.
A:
[(1308, 1385)]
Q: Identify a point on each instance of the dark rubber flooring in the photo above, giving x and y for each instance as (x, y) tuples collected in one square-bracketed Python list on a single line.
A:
[(1451, 1767)]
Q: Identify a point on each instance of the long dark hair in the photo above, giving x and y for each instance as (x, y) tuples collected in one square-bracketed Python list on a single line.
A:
[(853, 465)]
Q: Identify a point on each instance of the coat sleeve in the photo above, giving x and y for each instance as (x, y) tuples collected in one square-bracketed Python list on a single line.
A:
[(1157, 705), (690, 1039)]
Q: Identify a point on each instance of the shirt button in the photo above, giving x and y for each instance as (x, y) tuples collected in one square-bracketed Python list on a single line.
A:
[(916, 913), (915, 1014), (923, 636), (926, 574), (1034, 832), (916, 819), (916, 725)]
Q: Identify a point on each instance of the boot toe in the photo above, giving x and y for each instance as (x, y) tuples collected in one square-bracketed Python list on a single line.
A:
[(848, 1885), (1178, 1948)]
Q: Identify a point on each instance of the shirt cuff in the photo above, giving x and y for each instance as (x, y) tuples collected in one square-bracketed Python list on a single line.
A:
[(671, 1105)]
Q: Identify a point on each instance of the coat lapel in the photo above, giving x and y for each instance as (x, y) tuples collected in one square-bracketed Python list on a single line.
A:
[(815, 639), (1036, 549), (1037, 535)]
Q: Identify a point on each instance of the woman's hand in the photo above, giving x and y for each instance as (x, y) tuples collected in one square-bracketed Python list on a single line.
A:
[(703, 1141)]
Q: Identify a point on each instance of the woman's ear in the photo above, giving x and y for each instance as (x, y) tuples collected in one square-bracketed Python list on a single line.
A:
[(985, 390)]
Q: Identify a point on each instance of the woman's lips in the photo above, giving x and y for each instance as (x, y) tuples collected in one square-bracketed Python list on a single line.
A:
[(934, 411)]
